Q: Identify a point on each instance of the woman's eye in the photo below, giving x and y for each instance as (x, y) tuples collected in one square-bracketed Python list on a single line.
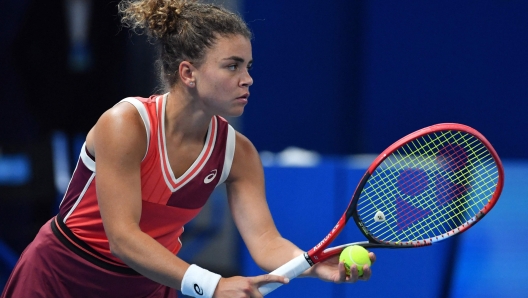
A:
[(232, 67)]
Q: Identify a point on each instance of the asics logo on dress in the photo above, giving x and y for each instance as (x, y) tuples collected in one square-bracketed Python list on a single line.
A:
[(210, 177)]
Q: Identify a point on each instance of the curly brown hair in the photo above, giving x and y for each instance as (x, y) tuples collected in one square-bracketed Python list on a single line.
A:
[(184, 29)]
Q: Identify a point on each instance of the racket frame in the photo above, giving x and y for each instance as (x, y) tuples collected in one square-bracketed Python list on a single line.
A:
[(320, 252)]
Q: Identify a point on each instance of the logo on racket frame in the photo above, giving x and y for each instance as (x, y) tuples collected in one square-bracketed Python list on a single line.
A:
[(327, 237)]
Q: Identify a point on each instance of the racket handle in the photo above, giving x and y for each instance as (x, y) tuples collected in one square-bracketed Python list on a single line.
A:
[(291, 270)]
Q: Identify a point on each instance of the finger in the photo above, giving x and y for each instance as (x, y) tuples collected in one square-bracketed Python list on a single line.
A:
[(372, 257), (255, 293), (269, 278), (354, 275), (367, 273), (261, 280), (342, 273)]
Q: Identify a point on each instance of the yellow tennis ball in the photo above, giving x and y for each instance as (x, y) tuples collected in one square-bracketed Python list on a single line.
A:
[(357, 255)]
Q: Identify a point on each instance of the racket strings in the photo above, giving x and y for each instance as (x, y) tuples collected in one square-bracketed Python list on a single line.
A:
[(428, 224), (438, 183)]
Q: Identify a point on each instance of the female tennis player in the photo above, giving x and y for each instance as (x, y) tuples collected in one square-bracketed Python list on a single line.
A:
[(149, 165)]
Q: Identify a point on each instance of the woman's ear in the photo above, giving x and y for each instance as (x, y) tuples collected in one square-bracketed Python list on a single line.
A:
[(186, 72)]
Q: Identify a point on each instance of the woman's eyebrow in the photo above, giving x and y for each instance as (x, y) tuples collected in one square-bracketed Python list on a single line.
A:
[(237, 59)]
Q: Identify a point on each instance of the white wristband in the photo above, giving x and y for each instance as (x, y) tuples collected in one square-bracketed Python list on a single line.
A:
[(199, 282)]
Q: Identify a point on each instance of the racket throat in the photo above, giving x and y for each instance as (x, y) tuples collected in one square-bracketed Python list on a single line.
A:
[(308, 259)]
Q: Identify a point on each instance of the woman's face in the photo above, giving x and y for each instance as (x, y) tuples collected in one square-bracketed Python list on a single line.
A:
[(223, 80)]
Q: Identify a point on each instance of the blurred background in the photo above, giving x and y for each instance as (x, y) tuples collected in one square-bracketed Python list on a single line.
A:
[(341, 80)]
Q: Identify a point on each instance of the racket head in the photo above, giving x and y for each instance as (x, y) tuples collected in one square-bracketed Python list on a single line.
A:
[(428, 186)]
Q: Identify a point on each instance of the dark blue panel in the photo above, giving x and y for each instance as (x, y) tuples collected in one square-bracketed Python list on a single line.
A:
[(464, 61), (354, 76), (303, 90)]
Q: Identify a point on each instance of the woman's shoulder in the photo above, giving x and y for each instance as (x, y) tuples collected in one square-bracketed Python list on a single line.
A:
[(244, 149), (120, 122)]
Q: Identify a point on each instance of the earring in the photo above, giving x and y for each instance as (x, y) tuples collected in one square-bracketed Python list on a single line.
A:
[(191, 84)]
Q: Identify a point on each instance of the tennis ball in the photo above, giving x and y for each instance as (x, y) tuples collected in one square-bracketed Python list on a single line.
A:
[(357, 255)]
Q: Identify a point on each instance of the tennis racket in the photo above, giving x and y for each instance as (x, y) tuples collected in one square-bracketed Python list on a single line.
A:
[(430, 185)]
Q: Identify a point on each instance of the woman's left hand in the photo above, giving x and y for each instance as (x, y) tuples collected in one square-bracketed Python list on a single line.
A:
[(333, 270)]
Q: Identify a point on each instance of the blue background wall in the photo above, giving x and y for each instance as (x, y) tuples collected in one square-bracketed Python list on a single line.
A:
[(489, 260)]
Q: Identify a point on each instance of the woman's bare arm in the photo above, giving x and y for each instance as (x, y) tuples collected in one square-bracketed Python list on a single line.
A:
[(119, 142), (247, 200)]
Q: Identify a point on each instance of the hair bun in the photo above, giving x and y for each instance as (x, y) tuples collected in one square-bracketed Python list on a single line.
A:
[(157, 17)]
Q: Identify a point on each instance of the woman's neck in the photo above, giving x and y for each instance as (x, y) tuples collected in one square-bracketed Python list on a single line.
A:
[(184, 117)]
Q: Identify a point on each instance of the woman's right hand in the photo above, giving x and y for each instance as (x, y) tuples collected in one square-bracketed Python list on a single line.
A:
[(245, 287)]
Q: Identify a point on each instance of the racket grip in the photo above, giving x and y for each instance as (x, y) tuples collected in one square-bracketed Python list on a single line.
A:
[(291, 270)]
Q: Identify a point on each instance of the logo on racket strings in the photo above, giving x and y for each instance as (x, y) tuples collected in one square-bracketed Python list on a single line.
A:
[(379, 216)]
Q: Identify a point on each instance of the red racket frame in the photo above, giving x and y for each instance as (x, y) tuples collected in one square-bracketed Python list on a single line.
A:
[(320, 252)]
